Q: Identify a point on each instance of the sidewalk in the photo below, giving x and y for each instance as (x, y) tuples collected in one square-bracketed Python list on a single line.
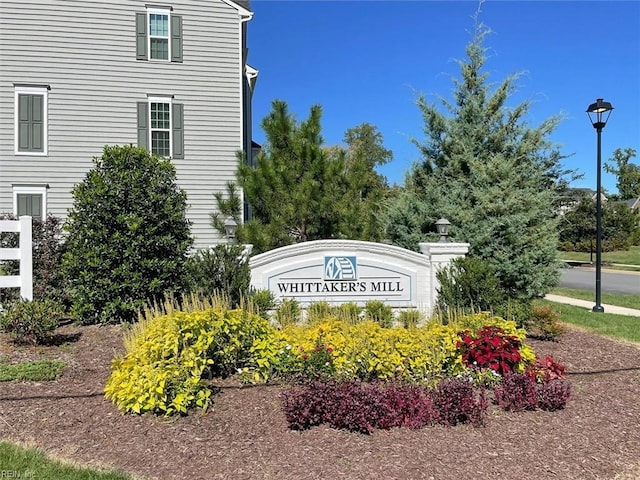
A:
[(589, 304)]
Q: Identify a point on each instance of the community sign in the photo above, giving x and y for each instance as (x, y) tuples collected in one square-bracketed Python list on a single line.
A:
[(341, 271)]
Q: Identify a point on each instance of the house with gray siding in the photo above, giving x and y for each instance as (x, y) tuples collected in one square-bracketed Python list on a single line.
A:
[(77, 75)]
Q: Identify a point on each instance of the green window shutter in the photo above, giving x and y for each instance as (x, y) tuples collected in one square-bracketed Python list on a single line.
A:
[(143, 125), (24, 123), (176, 38), (37, 123), (30, 204), (178, 131), (30, 123), (24, 205), (141, 36)]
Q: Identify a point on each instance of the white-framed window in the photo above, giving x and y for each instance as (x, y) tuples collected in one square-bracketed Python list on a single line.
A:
[(30, 200), (31, 119), (160, 126), (159, 33)]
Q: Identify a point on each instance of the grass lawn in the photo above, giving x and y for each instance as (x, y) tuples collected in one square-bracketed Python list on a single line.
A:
[(18, 462), (38, 370), (617, 326), (627, 257), (620, 300)]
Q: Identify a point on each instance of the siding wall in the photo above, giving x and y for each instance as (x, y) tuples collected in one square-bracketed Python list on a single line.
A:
[(85, 50)]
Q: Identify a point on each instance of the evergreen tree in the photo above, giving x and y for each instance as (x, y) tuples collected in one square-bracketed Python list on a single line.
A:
[(228, 205), (292, 189), (128, 236), (492, 175), (300, 190), (365, 188)]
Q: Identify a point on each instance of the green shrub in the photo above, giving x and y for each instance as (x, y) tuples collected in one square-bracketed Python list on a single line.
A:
[(379, 312), (48, 251), (585, 246), (469, 285), (128, 235), (317, 363), (544, 323), (263, 301), (634, 239), (168, 355), (608, 245), (566, 247), (616, 244), (222, 270), (516, 310), (31, 322), (348, 312), (410, 318), (319, 311), (288, 312)]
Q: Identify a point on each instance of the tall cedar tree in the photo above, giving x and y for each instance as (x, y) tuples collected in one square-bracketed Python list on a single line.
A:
[(494, 177), (300, 190)]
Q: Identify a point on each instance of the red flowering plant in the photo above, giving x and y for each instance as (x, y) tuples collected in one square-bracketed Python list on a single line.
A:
[(318, 362), (546, 369), (490, 348)]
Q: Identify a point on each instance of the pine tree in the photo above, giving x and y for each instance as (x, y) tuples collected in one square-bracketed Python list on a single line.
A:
[(365, 188), (295, 185), (492, 175), (301, 190)]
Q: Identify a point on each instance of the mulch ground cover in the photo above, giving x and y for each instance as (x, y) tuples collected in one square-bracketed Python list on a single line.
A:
[(245, 435)]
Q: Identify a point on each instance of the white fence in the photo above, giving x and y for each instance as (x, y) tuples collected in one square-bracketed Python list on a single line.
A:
[(23, 254)]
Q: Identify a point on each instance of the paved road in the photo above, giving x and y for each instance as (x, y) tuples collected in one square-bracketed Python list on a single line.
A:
[(612, 281)]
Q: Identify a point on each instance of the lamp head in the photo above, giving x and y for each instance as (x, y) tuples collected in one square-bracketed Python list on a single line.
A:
[(599, 113), (230, 227), (442, 226)]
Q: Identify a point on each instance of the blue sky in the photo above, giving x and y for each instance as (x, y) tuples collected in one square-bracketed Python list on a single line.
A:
[(365, 61)]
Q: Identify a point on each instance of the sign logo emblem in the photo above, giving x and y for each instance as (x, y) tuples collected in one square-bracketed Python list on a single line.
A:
[(340, 268)]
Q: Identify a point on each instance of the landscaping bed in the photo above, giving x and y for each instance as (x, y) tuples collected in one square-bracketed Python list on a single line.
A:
[(245, 434)]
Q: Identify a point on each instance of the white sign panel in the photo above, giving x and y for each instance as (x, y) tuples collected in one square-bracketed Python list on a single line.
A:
[(340, 271)]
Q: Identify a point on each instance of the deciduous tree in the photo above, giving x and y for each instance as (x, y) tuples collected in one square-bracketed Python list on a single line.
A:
[(627, 173)]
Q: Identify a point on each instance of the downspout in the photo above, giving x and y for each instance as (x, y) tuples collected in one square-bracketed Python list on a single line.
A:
[(245, 16)]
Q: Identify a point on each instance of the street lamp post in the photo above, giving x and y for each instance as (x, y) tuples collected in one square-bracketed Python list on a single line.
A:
[(599, 113)]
